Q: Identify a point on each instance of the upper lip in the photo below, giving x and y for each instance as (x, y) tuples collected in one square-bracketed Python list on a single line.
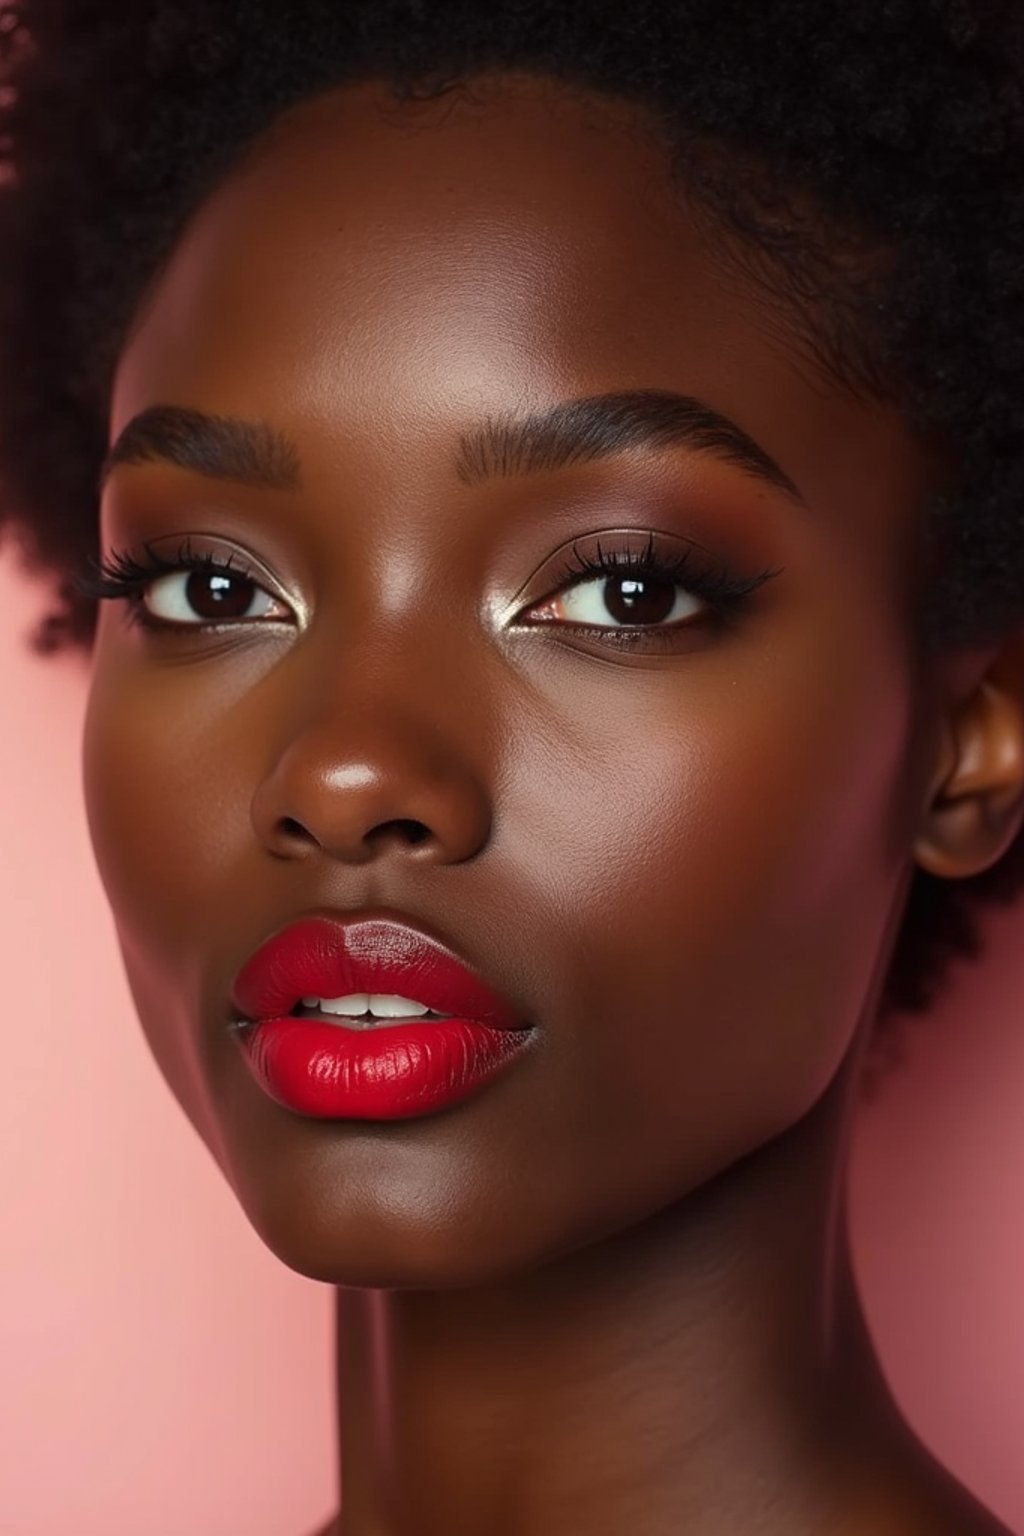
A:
[(332, 956)]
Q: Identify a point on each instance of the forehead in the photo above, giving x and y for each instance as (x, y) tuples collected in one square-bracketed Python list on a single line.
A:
[(374, 266), (519, 220)]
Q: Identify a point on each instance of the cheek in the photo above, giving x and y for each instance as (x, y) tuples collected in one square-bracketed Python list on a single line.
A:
[(165, 832), (719, 917), (693, 862)]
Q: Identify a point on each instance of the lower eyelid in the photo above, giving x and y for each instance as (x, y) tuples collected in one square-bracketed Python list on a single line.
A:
[(141, 602), (688, 582)]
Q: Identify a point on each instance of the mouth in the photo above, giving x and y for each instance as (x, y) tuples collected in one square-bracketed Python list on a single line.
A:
[(373, 971), (369, 1018), (365, 1020)]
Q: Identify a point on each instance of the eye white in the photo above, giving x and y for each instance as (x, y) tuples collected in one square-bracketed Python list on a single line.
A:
[(185, 614), (584, 603)]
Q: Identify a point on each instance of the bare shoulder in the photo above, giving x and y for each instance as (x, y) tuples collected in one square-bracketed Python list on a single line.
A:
[(963, 1514), (330, 1529), (946, 1510), (969, 1518)]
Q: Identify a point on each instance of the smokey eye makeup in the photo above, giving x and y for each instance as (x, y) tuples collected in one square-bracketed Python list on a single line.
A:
[(633, 589)]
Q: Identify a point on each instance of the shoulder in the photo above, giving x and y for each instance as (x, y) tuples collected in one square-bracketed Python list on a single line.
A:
[(332, 1527)]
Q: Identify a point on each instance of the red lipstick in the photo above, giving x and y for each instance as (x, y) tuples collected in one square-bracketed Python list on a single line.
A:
[(391, 1070)]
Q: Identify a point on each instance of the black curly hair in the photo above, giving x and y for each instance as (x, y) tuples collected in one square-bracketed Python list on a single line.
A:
[(867, 160)]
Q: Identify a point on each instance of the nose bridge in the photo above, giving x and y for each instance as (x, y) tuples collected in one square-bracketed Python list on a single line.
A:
[(385, 735), (400, 665)]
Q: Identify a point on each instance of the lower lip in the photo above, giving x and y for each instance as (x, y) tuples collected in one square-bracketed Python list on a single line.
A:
[(390, 1072)]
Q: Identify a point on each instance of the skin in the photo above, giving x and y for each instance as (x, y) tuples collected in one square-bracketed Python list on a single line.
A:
[(613, 1291)]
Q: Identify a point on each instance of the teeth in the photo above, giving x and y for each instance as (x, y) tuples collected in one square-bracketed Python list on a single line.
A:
[(382, 1005)]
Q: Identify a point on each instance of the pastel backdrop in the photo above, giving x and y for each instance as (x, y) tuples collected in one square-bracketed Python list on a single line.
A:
[(163, 1373)]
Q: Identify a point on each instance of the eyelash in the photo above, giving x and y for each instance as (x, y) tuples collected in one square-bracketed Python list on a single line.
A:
[(123, 575), (724, 593)]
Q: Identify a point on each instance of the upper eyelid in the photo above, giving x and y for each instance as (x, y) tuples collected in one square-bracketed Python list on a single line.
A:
[(235, 564), (252, 572), (245, 571), (142, 573)]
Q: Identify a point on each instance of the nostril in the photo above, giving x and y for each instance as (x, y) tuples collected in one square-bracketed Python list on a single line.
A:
[(404, 827)]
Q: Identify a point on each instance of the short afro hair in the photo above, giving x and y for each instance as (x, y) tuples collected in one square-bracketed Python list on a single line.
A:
[(900, 123)]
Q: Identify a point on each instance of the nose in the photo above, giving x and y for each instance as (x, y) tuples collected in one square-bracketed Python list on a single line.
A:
[(388, 770)]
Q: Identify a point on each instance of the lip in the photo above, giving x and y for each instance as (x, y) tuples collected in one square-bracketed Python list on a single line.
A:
[(374, 952), (392, 1071)]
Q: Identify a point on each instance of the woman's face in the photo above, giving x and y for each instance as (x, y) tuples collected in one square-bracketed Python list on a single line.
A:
[(677, 853)]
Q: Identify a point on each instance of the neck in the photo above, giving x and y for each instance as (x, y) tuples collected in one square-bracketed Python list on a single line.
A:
[(709, 1367)]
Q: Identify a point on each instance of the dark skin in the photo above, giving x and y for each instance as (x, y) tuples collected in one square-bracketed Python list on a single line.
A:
[(612, 1292)]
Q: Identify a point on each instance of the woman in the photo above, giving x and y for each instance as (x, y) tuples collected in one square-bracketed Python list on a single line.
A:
[(540, 489)]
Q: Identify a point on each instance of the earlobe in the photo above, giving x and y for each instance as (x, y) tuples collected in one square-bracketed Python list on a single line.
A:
[(976, 804)]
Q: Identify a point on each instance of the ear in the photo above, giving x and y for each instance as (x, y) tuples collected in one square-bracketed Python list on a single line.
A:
[(975, 802)]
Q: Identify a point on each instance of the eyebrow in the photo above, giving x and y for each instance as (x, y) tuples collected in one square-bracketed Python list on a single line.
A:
[(599, 426), (571, 432), (250, 452)]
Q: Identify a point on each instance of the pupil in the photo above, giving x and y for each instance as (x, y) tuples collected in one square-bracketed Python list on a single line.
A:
[(215, 589), (639, 601)]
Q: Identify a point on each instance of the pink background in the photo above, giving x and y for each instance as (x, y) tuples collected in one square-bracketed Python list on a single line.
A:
[(163, 1372)]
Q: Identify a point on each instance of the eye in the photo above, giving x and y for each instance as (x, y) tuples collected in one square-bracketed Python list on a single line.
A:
[(214, 596), (629, 599), (190, 591), (645, 596), (640, 597)]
